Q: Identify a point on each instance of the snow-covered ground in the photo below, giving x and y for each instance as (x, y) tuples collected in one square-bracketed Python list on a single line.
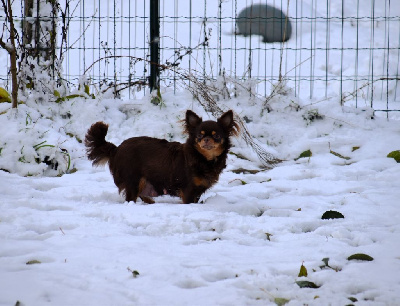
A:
[(243, 245)]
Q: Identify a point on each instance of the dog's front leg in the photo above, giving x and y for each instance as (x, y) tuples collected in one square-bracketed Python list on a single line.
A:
[(191, 194)]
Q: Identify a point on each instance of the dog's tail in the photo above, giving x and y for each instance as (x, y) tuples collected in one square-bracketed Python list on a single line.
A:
[(97, 148)]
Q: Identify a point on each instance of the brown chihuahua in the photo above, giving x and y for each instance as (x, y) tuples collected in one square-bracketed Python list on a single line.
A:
[(146, 167)]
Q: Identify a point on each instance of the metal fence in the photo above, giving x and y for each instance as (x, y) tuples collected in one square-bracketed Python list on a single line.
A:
[(342, 49)]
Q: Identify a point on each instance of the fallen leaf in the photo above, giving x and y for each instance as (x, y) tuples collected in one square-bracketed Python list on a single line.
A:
[(360, 256), (303, 271), (307, 284)]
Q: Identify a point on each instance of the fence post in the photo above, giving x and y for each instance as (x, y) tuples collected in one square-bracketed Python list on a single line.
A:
[(154, 79)]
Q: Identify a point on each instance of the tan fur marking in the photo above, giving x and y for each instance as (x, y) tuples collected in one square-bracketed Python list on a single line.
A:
[(199, 181), (181, 195), (147, 200), (213, 133), (210, 154), (142, 184), (102, 161)]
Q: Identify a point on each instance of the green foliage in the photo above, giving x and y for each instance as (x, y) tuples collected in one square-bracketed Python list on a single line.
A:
[(238, 155), (4, 96), (135, 273), (312, 115), (45, 157), (87, 90), (74, 136), (360, 256), (65, 152), (326, 265), (42, 145), (246, 171), (339, 155), (307, 153), (85, 95), (268, 236), (395, 155), (33, 262), (326, 262), (331, 214), (28, 119), (303, 271), (157, 98), (69, 97), (307, 284), (281, 301), (73, 170)]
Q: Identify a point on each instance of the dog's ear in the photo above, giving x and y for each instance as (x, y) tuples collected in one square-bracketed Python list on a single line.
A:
[(228, 123), (192, 120), (226, 120)]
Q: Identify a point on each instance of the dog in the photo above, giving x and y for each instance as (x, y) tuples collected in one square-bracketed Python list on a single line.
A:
[(147, 167)]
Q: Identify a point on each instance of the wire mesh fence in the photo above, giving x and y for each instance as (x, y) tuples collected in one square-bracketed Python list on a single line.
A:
[(347, 50)]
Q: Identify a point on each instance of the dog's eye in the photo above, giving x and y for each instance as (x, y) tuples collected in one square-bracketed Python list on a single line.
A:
[(200, 136), (216, 136)]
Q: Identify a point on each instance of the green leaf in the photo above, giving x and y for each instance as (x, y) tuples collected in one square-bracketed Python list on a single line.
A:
[(339, 155), (353, 299), (331, 214), (73, 170), (238, 155), (395, 155), (65, 152), (44, 146), (157, 99), (354, 149), (245, 171), (360, 256), (307, 153), (61, 99), (268, 236), (135, 273), (57, 93), (281, 301), (326, 261), (303, 271), (4, 96), (32, 262), (307, 284), (87, 90)]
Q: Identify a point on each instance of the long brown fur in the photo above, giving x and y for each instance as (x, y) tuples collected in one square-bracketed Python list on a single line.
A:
[(147, 167)]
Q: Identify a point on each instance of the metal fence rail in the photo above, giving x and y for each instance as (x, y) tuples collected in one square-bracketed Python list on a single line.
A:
[(348, 50)]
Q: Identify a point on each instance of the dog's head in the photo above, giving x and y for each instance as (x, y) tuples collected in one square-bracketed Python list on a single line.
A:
[(210, 138)]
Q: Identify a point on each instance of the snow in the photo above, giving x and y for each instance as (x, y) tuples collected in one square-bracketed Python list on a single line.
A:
[(243, 245)]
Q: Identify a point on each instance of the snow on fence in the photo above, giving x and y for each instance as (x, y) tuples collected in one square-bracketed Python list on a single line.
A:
[(348, 50)]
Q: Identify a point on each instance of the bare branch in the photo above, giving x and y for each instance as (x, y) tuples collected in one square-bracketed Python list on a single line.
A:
[(10, 48)]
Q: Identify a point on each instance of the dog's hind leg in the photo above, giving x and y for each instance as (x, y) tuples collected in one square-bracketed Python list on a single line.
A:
[(130, 189), (146, 191), (147, 200)]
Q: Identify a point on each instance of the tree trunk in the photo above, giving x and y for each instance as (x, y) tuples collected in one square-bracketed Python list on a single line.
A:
[(40, 36)]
